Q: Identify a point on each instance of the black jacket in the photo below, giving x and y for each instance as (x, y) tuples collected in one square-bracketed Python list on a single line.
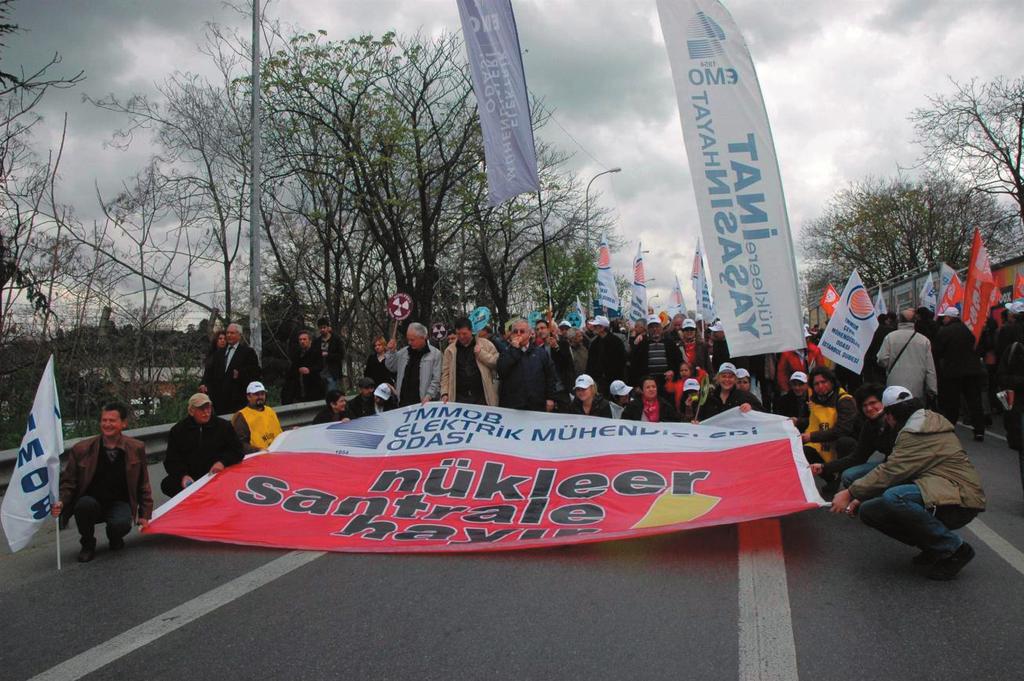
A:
[(192, 448), (225, 390), (527, 378), (667, 413), (714, 405), (361, 406), (376, 370), (335, 357), (599, 407), (874, 436), (793, 406), (327, 415), (303, 387), (606, 361), (954, 352), (638, 364)]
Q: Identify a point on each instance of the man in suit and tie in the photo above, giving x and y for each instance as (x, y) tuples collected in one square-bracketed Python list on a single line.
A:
[(232, 370)]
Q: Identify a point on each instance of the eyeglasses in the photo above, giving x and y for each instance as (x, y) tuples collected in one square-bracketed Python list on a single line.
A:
[(520, 331)]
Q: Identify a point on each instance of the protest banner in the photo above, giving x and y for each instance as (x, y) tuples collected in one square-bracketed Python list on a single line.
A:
[(851, 328), (467, 478)]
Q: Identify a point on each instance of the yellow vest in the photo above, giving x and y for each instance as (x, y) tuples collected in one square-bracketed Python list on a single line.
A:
[(263, 426), (822, 418)]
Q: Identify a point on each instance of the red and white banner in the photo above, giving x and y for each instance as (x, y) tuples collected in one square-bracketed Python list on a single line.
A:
[(464, 478), (829, 300), (978, 289), (1018, 286)]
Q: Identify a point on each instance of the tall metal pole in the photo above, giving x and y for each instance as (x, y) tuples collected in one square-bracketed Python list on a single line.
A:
[(255, 269), (544, 251), (586, 201)]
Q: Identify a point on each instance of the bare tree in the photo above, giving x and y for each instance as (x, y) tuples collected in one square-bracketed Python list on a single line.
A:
[(977, 133)]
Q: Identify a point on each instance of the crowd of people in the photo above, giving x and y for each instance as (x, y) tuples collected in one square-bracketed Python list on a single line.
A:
[(902, 408)]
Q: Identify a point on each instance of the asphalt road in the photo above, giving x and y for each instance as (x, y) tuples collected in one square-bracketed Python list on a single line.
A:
[(669, 607)]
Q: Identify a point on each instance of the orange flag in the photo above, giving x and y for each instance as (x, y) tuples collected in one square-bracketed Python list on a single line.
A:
[(829, 299), (978, 289)]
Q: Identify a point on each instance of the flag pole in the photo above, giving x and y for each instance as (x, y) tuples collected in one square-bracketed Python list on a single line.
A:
[(57, 520), (544, 251)]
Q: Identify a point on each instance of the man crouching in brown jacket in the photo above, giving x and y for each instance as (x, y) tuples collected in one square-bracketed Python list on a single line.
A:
[(105, 480), (925, 489)]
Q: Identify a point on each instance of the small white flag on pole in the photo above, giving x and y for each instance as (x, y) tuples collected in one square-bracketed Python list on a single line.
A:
[(880, 304), (676, 304), (607, 293), (851, 328), (35, 483), (638, 305), (929, 296)]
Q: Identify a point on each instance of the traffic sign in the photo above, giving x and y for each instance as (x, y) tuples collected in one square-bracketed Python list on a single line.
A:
[(400, 306)]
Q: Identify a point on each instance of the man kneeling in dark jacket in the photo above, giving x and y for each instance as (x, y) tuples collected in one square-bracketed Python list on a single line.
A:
[(199, 444)]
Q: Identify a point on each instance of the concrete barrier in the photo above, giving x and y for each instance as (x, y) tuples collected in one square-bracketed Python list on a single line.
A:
[(155, 437)]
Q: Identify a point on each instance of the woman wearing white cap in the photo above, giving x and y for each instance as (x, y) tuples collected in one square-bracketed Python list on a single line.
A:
[(726, 395), (587, 401), (651, 406)]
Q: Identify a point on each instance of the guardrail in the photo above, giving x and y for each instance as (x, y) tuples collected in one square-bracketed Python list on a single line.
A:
[(155, 437)]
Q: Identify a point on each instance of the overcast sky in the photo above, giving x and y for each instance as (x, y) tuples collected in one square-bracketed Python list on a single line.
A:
[(839, 80)]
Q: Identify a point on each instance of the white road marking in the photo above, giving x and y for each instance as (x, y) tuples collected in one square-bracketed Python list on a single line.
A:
[(149, 631), (988, 433), (767, 649), (1007, 551)]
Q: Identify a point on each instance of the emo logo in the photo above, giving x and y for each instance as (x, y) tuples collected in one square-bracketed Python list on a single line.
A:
[(704, 37)]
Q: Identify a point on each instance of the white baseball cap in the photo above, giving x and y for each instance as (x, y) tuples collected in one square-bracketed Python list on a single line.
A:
[(689, 324), (895, 394), (1016, 307), (583, 381), (716, 327), (601, 320), (691, 384), (798, 376), (383, 391), (620, 389), (727, 367), (742, 373), (653, 319), (950, 312), (255, 387), (564, 323)]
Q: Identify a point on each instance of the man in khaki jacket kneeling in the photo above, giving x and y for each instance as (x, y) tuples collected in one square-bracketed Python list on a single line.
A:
[(925, 489)]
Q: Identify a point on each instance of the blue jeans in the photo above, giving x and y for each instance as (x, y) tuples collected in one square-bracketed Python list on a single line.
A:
[(856, 472), (900, 513)]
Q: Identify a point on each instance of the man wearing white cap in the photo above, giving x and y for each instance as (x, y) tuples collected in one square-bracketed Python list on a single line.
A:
[(384, 399), (654, 356), (693, 349), (256, 424), (606, 357), (960, 371), (793, 403), (621, 396), (925, 489)]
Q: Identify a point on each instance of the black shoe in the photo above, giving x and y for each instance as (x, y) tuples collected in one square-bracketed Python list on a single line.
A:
[(947, 568), (926, 557), (979, 437), (116, 544), (86, 554)]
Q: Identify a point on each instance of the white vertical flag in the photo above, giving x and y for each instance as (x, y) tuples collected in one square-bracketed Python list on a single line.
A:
[(851, 328), (929, 296), (607, 293), (638, 304), (946, 276), (35, 483), (736, 178), (880, 303), (499, 82), (701, 288), (581, 312), (675, 301)]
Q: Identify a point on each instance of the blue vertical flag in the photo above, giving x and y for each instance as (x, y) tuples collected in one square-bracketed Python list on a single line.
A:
[(35, 483), (499, 82)]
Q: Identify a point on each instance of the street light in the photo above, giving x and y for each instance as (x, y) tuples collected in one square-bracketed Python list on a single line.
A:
[(586, 214)]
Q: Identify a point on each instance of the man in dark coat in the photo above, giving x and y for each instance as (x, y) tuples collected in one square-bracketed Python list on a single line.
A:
[(528, 379), (332, 355), (960, 371), (606, 357), (303, 382), (654, 356), (199, 444), (231, 370)]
